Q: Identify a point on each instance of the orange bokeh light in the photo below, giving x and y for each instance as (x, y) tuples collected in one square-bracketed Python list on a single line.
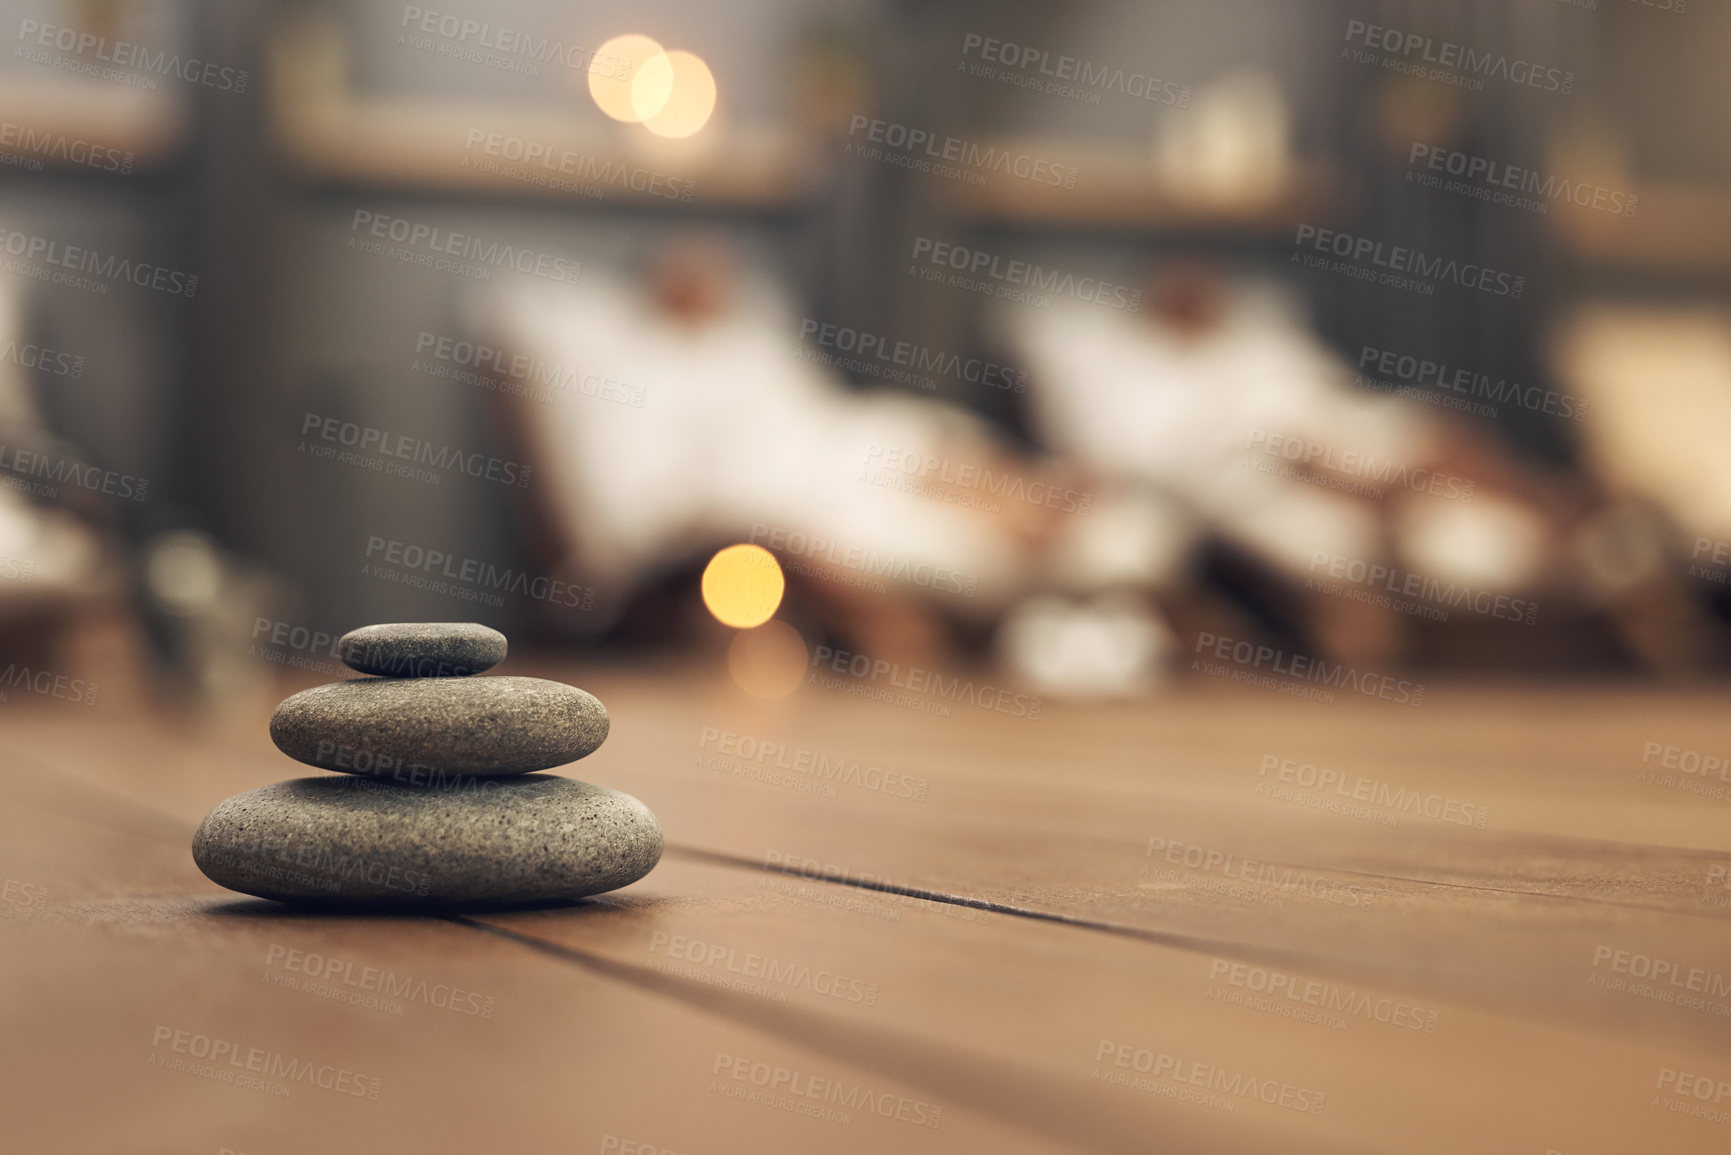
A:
[(742, 586)]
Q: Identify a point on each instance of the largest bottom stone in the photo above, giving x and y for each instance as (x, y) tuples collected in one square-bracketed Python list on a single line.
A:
[(496, 842)]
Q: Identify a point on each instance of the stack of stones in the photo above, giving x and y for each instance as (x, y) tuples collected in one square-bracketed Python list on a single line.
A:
[(437, 806)]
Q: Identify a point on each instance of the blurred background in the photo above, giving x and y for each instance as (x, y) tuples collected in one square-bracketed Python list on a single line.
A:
[(1053, 341)]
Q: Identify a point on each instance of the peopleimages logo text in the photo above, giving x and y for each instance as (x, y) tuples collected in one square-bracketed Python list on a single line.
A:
[(471, 572), (1326, 459), (259, 1061), (867, 347), (1026, 58), (33, 141), (561, 168), (366, 439), (1459, 57), (1395, 366), (1023, 274), (956, 689), (969, 477), (465, 246), (61, 470), (1358, 788), (1417, 263), (1232, 1086), (791, 1086), (747, 749), (1254, 657), (1490, 177), (43, 360), (923, 143), (1374, 575), (125, 54), (86, 260), (333, 970), (528, 46)]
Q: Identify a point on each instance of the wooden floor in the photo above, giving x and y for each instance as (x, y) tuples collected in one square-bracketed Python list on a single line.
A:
[(1109, 929)]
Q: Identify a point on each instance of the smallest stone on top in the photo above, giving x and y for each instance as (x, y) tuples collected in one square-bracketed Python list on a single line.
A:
[(422, 649)]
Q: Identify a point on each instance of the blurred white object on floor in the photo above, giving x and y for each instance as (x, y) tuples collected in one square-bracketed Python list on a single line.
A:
[(1111, 646)]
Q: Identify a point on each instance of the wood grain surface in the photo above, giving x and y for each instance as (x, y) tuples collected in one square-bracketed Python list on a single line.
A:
[(1213, 921)]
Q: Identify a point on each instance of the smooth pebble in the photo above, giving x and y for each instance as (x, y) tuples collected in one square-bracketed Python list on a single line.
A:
[(426, 728), (422, 649), (493, 842)]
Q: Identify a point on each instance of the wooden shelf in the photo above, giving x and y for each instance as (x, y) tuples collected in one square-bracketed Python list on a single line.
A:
[(149, 125), (1676, 228), (330, 134), (1115, 189)]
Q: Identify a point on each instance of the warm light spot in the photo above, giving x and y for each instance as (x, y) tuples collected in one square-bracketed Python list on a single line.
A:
[(742, 586), (614, 71), (768, 662), (690, 100), (651, 85)]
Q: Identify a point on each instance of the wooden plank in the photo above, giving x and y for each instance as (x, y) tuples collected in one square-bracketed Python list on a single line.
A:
[(1001, 1018), (475, 1042)]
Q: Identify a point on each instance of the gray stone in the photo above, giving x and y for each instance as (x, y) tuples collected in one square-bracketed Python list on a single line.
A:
[(498, 842), (412, 729), (422, 649)]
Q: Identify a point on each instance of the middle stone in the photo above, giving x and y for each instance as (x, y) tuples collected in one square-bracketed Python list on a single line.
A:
[(475, 725)]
